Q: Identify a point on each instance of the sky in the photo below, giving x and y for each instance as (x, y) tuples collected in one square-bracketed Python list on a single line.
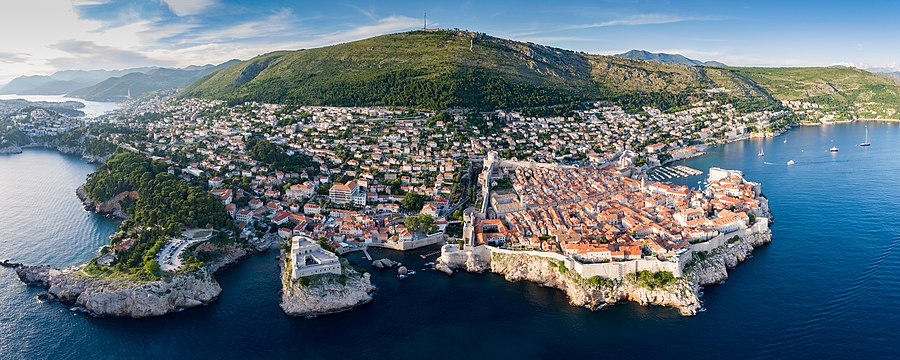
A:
[(44, 36)]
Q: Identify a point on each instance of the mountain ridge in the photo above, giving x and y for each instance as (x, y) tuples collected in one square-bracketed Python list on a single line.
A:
[(666, 58), (440, 69)]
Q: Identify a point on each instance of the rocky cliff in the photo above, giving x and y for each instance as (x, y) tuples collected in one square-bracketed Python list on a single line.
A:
[(107, 296), (712, 268), (122, 296), (516, 267), (80, 151), (111, 207), (682, 295), (11, 149), (324, 294)]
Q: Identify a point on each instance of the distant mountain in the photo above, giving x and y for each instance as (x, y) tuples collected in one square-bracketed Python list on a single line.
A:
[(666, 58), (63, 82), (140, 83), (889, 73), (106, 85)]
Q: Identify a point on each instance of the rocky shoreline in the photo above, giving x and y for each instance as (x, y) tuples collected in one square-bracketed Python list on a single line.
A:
[(111, 207), (9, 150), (683, 295), (120, 296), (324, 294)]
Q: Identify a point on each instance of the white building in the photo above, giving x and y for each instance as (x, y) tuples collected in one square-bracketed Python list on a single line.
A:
[(308, 258)]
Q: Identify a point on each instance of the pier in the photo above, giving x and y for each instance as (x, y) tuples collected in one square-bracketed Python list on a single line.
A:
[(428, 255), (366, 252)]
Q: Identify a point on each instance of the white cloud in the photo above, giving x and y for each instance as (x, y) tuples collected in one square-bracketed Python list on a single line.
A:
[(636, 20), (189, 7), (51, 36)]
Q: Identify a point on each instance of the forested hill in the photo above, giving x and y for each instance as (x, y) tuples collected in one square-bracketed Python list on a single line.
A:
[(164, 200), (438, 69), (446, 68)]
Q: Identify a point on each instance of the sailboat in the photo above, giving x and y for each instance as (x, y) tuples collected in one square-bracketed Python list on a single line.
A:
[(760, 153), (866, 143)]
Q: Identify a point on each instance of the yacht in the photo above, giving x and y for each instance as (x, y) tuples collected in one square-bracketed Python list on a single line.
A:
[(833, 149), (760, 153), (790, 162), (866, 143)]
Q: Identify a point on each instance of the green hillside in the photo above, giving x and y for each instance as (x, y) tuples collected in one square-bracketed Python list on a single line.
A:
[(447, 68), (440, 69)]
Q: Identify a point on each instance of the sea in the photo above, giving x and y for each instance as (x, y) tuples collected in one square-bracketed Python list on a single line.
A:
[(828, 286), (90, 109)]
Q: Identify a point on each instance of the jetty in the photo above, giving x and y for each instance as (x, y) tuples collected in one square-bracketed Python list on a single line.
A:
[(428, 255), (366, 253)]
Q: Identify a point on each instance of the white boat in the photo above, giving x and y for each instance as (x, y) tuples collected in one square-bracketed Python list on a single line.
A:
[(833, 149), (790, 162), (866, 143), (760, 153)]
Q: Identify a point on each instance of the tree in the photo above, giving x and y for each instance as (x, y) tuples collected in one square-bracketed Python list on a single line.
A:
[(413, 201)]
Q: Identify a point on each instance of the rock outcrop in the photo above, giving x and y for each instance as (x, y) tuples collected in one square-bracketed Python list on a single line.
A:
[(712, 268), (80, 151), (109, 296), (111, 207), (384, 263), (122, 296), (11, 149), (324, 294)]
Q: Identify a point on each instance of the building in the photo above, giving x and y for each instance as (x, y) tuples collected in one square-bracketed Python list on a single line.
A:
[(342, 193), (349, 193), (308, 258)]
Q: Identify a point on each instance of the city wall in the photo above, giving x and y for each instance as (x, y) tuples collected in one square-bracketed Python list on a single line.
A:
[(618, 270)]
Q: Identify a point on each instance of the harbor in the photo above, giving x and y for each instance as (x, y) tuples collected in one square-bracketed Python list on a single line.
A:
[(669, 172)]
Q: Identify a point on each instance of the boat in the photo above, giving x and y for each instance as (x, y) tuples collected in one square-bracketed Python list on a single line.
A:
[(760, 153), (790, 162), (833, 149), (866, 143)]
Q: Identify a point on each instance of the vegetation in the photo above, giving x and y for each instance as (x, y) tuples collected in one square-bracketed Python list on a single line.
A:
[(272, 155), (413, 201), (11, 136), (165, 204), (651, 280), (449, 68), (423, 223)]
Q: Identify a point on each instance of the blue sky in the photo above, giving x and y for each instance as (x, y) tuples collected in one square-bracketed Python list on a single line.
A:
[(88, 34)]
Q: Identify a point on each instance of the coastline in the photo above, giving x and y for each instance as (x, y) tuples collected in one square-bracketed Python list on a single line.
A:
[(683, 295)]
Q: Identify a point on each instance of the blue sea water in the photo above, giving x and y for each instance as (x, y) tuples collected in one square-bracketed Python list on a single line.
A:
[(827, 286)]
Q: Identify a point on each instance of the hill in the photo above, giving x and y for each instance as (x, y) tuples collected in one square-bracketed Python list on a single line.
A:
[(62, 82), (439, 69), (447, 68), (666, 58), (137, 84)]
